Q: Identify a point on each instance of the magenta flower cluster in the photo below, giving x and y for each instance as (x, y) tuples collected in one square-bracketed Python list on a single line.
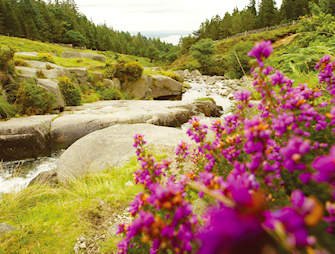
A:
[(265, 180)]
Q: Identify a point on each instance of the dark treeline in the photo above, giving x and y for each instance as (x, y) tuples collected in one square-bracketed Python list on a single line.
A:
[(251, 17), (61, 22)]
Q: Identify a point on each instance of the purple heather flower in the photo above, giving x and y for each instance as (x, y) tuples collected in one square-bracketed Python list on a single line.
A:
[(325, 167), (330, 218), (230, 232), (294, 152), (261, 51), (243, 96)]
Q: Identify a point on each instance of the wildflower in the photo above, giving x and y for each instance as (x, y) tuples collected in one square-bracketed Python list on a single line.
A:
[(325, 167), (261, 51)]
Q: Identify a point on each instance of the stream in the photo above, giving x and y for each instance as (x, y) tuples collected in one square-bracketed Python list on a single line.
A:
[(16, 175)]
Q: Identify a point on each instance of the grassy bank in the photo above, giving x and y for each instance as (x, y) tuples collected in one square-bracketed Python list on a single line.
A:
[(25, 45), (51, 219)]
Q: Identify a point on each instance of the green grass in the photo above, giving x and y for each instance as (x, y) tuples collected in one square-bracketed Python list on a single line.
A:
[(50, 219), (6, 110)]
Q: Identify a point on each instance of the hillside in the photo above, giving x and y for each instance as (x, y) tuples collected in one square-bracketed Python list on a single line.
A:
[(62, 22), (26, 45), (297, 49)]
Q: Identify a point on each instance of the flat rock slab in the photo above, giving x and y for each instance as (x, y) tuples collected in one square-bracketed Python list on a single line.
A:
[(80, 121), (6, 228), (31, 137), (112, 147), (26, 137)]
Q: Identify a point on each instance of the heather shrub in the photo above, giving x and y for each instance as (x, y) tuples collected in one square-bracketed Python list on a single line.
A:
[(20, 62), (6, 110), (125, 72), (45, 57), (266, 179), (111, 94), (6, 59), (70, 91), (32, 99)]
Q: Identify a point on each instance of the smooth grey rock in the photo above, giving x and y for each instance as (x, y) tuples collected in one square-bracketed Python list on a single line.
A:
[(26, 54), (196, 73), (26, 72), (76, 54), (165, 87), (45, 178), (26, 137), (79, 72), (6, 228), (52, 87), (41, 65), (80, 121), (112, 147), (112, 83), (140, 89)]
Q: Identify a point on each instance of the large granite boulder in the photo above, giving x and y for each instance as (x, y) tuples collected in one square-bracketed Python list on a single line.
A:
[(140, 89), (166, 88), (41, 65), (112, 147), (26, 72), (26, 137), (52, 87), (112, 83), (155, 87), (76, 54), (6, 228), (80, 73), (82, 120)]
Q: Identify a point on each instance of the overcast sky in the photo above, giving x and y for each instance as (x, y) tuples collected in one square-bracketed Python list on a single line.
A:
[(163, 17)]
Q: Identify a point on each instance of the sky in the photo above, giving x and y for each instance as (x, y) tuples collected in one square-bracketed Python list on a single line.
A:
[(167, 19)]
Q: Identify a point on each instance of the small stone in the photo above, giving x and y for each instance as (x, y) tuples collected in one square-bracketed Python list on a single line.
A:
[(6, 228)]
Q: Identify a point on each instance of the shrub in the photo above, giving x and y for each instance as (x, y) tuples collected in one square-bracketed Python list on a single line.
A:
[(6, 110), (6, 58), (70, 91), (111, 94), (40, 74), (125, 72), (20, 62), (45, 57), (173, 75), (33, 99)]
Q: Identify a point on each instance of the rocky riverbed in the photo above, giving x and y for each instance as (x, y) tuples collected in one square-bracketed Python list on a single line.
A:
[(36, 136)]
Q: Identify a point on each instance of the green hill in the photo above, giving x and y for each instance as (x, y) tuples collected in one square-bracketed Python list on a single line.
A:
[(26, 45), (297, 49)]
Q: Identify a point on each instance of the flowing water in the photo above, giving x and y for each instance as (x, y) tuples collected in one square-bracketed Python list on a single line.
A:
[(16, 175)]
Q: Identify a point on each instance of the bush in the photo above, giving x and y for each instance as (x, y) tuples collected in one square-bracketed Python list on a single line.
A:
[(6, 110), (173, 75), (111, 94), (40, 74), (45, 57), (20, 62), (6, 58), (70, 91), (125, 72), (75, 38), (33, 99)]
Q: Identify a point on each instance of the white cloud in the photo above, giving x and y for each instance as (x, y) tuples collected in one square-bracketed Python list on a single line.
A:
[(155, 15)]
